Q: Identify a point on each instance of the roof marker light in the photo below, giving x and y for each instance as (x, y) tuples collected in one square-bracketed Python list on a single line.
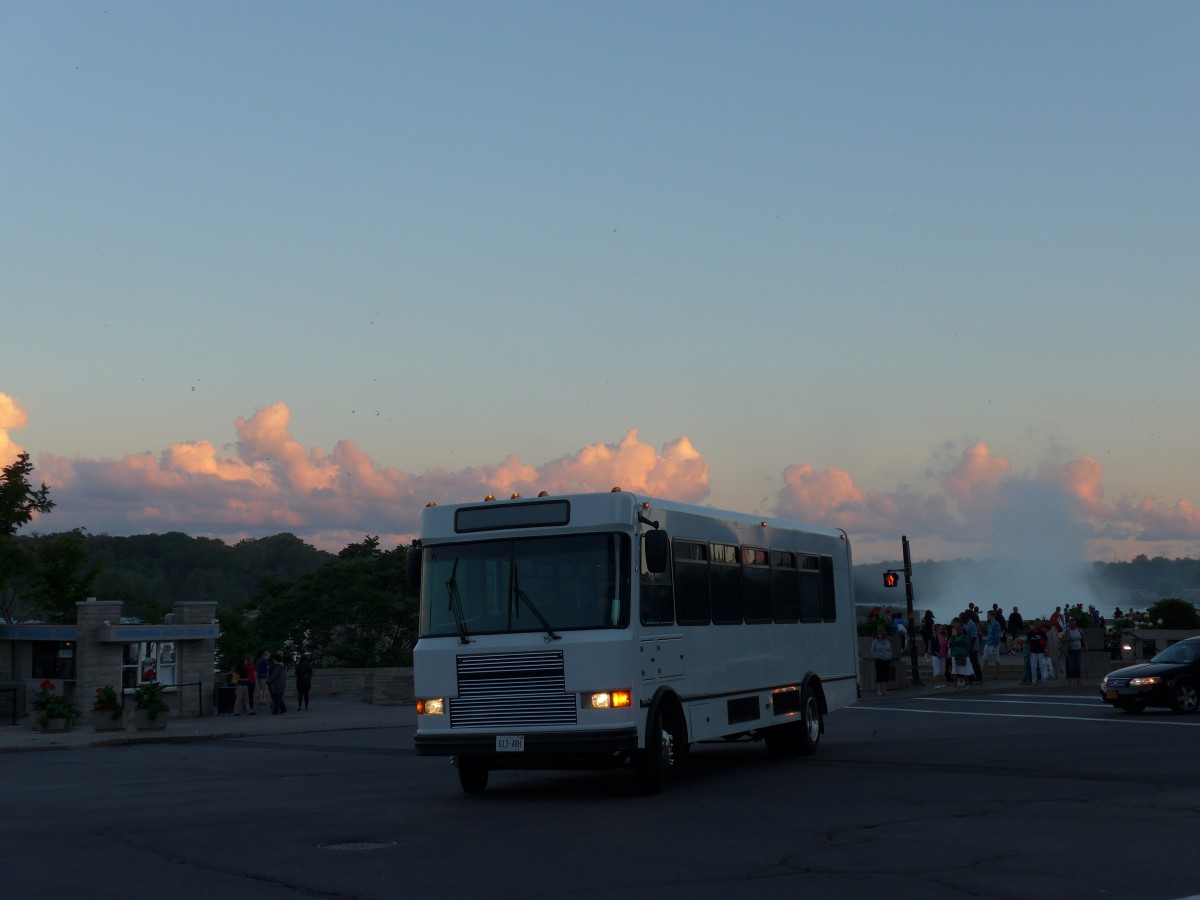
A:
[(543, 493), (516, 495), (615, 490), (429, 504), (489, 497)]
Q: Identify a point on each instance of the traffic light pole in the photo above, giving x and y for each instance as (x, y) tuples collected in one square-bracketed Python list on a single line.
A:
[(912, 624)]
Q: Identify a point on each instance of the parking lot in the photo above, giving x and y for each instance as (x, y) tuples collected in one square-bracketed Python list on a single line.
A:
[(953, 794)]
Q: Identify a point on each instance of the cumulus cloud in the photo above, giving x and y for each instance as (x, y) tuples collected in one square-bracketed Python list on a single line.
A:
[(270, 482), (266, 481), (12, 418), (982, 503)]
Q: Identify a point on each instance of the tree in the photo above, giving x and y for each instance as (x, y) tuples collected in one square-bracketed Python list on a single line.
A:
[(1172, 612), (19, 501), (61, 576), (355, 611)]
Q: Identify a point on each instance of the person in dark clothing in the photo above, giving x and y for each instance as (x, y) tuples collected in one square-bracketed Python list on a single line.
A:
[(277, 684), (1015, 624), (927, 631), (304, 674)]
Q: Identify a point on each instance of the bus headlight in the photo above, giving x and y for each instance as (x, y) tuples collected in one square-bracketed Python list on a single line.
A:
[(608, 700), (435, 706)]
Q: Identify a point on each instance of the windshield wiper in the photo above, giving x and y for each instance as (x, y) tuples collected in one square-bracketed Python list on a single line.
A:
[(519, 594), (456, 605)]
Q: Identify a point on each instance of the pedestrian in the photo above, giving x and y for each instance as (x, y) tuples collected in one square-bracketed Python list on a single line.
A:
[(237, 678), (971, 630), (304, 674), (1036, 639), (263, 669), (1015, 625), (939, 650), (251, 685), (927, 631), (1056, 619), (277, 683), (881, 652), (1073, 641), (959, 654), (1053, 649), (991, 647)]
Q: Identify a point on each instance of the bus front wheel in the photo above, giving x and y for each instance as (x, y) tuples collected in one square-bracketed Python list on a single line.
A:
[(472, 773), (650, 764)]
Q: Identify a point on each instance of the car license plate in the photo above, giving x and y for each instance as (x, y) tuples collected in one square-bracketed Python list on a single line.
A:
[(510, 743), (1110, 695)]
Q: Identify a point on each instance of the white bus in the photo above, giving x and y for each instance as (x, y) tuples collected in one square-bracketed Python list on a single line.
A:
[(601, 630)]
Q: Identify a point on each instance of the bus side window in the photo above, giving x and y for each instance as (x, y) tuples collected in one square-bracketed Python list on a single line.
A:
[(725, 578), (657, 603), (756, 585), (691, 583), (828, 592), (785, 587), (810, 589)]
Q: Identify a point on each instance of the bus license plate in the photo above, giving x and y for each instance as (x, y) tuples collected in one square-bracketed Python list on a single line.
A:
[(510, 743)]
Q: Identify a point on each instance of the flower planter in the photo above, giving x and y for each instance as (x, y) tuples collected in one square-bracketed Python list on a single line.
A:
[(143, 722), (52, 725), (103, 721)]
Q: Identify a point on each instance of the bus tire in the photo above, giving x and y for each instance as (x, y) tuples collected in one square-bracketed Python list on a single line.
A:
[(651, 762), (472, 773), (807, 734)]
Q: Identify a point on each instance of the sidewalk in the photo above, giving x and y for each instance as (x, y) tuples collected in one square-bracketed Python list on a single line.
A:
[(326, 714), (1011, 672)]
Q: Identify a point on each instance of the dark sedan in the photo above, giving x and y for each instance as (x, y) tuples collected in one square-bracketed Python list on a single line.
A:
[(1171, 679)]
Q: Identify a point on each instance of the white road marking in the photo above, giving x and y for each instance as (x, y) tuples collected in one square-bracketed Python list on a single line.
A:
[(997, 715)]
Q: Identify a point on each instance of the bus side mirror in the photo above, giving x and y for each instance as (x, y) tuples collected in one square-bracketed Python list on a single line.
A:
[(658, 551), (412, 564)]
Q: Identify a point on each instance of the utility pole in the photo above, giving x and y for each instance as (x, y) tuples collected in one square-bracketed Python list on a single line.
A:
[(912, 623)]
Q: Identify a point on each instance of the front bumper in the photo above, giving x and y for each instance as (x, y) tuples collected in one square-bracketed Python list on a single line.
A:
[(540, 745), (1144, 695)]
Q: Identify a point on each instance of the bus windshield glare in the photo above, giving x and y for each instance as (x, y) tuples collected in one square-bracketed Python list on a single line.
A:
[(546, 584)]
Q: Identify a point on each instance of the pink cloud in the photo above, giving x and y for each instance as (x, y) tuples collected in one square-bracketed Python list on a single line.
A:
[(272, 483), (978, 476), (267, 482), (12, 418)]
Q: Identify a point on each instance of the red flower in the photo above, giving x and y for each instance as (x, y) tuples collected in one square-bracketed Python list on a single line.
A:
[(46, 685)]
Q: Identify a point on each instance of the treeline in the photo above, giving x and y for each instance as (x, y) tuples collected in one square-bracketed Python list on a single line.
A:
[(351, 609)]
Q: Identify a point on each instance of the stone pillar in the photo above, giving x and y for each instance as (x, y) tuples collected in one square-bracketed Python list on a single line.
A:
[(196, 659), (96, 663)]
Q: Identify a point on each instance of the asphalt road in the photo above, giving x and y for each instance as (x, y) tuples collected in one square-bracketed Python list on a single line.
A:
[(947, 795)]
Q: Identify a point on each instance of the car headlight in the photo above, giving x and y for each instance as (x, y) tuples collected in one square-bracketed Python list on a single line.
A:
[(434, 706), (619, 699), (1143, 682)]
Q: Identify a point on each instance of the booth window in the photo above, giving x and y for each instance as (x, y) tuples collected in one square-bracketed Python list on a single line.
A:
[(148, 661), (53, 659)]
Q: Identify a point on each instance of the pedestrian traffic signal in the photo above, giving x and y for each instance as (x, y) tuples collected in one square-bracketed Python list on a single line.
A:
[(891, 579)]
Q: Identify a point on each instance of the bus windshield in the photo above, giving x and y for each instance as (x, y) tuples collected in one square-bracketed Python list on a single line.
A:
[(535, 584)]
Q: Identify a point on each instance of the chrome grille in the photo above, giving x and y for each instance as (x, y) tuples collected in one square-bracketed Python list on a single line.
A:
[(512, 690)]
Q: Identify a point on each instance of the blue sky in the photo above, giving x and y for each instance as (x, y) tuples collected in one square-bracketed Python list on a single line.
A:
[(883, 266)]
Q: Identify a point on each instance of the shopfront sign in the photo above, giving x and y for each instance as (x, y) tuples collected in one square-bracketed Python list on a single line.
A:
[(126, 634), (39, 632)]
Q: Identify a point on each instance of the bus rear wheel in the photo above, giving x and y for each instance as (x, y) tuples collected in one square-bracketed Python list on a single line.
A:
[(472, 773), (808, 729)]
